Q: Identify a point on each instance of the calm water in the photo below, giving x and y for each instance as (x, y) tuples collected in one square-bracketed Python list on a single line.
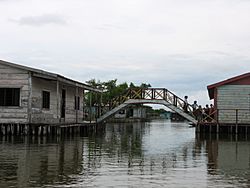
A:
[(155, 154)]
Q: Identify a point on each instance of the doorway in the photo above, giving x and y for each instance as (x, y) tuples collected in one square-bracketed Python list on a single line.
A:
[(63, 103)]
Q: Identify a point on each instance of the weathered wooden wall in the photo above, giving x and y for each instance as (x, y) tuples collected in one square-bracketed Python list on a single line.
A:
[(40, 115), (15, 78), (231, 97), (72, 115), (53, 115)]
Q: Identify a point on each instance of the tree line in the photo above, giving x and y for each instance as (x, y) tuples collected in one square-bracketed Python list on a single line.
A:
[(110, 90)]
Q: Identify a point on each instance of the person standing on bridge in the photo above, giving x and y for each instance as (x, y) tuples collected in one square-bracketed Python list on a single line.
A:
[(185, 105), (195, 109), (195, 105)]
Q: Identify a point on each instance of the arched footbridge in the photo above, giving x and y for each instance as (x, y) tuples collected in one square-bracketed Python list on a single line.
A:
[(147, 96)]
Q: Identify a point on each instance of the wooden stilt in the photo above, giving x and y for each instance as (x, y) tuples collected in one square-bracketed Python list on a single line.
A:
[(39, 130), (3, 130), (48, 127), (12, 129), (26, 129), (58, 131), (33, 130), (45, 130), (18, 129)]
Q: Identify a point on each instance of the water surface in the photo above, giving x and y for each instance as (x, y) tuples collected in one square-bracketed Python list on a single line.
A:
[(152, 154)]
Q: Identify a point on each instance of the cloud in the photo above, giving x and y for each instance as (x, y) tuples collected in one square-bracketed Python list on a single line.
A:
[(41, 20)]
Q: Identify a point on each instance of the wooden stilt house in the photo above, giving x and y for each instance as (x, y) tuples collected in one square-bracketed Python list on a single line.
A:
[(33, 96), (232, 100)]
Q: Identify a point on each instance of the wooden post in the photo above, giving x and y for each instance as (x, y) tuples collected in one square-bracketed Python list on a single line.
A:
[(217, 118), (33, 130), (17, 129), (3, 130), (44, 130), (30, 98), (58, 101), (90, 106), (198, 128), (77, 103), (39, 130), (12, 129), (246, 132), (48, 129), (58, 131), (26, 131), (8, 129), (236, 128)]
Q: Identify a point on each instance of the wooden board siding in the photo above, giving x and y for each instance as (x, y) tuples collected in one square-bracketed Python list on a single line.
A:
[(14, 78), (53, 115), (72, 115), (38, 114), (230, 98)]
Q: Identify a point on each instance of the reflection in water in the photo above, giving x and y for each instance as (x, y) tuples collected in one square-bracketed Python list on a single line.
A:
[(228, 158), (155, 154)]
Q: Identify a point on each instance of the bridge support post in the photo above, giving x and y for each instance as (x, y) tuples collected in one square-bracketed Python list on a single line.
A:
[(198, 128)]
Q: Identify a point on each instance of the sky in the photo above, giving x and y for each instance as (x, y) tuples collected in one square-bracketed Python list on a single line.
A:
[(175, 44)]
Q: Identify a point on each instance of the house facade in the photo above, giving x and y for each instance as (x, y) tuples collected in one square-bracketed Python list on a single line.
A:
[(232, 99), (33, 96)]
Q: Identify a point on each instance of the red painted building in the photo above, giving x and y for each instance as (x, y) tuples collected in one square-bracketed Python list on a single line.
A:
[(232, 99)]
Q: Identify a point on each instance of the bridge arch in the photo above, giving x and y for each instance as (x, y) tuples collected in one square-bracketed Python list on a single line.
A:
[(160, 96)]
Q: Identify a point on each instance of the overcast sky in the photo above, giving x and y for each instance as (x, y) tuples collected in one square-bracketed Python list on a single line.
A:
[(182, 45)]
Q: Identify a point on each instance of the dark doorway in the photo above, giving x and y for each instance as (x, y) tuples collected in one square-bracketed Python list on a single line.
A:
[(63, 103)]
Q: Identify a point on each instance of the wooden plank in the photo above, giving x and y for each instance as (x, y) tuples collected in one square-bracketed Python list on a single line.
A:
[(20, 76), (12, 71), (13, 116), (14, 82), (12, 110), (16, 120)]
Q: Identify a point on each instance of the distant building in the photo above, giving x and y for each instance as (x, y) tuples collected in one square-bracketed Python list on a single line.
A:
[(232, 99), (132, 112), (33, 96)]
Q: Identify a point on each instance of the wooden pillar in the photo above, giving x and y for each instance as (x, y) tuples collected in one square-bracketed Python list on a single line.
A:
[(58, 101), (8, 129), (44, 130), (33, 129), (39, 130), (18, 129), (90, 105), (197, 128), (236, 127), (3, 129), (217, 128), (70, 131), (30, 98), (77, 103), (12, 129), (58, 131), (26, 129), (246, 132), (48, 127)]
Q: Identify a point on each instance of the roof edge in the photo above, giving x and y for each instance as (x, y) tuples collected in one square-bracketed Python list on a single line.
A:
[(53, 75)]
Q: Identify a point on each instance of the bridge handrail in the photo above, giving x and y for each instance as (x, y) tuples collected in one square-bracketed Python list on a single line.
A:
[(148, 94)]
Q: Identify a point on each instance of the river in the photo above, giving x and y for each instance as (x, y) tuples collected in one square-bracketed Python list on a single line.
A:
[(151, 154)]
